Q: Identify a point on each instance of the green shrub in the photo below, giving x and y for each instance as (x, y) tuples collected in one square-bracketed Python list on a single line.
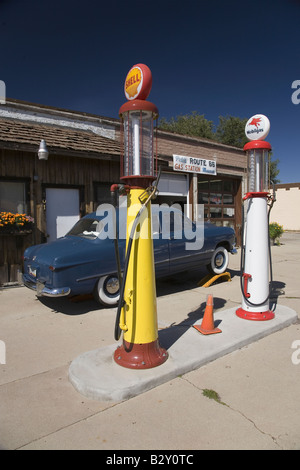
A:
[(275, 231)]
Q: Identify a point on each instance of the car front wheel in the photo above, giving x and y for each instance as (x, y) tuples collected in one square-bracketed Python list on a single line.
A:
[(219, 260), (107, 290)]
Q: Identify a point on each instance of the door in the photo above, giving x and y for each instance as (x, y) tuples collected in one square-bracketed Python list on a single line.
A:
[(173, 188), (221, 198), (186, 242), (62, 211)]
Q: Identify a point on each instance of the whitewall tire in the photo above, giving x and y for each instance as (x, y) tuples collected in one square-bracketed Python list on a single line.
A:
[(219, 260), (107, 290)]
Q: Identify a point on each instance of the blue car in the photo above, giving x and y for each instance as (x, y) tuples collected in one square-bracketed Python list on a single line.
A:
[(84, 261)]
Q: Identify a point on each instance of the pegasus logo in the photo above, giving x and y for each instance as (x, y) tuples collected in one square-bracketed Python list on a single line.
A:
[(257, 127), (255, 122)]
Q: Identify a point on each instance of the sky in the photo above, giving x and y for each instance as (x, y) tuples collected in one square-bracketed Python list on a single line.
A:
[(215, 57)]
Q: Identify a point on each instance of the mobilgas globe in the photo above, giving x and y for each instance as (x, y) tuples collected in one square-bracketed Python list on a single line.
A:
[(257, 127), (254, 131)]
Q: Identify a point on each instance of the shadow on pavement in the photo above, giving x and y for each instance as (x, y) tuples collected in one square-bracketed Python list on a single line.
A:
[(82, 304), (169, 336)]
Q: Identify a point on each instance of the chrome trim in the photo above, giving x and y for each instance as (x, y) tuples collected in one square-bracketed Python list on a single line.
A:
[(29, 284), (60, 292), (190, 255), (42, 291), (94, 276)]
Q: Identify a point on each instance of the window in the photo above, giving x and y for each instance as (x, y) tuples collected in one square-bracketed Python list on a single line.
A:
[(14, 197), (218, 197), (102, 194), (87, 228)]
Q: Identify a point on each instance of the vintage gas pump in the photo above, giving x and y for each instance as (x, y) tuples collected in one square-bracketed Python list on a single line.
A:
[(255, 255), (137, 311)]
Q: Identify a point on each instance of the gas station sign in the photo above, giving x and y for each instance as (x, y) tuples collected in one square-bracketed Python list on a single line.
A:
[(194, 165), (138, 82)]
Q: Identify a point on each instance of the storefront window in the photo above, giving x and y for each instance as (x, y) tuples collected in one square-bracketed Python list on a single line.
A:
[(216, 185), (218, 197), (228, 211), (216, 212), (215, 198), (228, 186), (228, 199), (203, 185), (203, 198)]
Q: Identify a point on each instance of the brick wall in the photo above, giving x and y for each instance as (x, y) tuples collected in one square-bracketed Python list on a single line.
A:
[(230, 160)]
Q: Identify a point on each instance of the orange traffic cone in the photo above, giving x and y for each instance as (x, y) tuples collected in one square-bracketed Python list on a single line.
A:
[(207, 327)]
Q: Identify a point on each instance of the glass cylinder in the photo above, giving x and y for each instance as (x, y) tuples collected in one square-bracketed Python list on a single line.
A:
[(258, 170), (137, 160)]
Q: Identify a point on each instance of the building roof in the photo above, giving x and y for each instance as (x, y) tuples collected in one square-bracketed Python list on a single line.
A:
[(23, 125), (51, 110), (287, 186), (21, 135)]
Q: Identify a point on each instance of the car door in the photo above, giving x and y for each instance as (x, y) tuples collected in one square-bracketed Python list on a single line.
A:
[(186, 242), (160, 244)]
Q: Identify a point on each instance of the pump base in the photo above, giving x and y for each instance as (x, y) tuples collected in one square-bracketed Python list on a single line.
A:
[(256, 316), (140, 356)]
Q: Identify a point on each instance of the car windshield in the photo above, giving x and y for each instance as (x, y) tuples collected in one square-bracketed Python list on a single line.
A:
[(87, 227)]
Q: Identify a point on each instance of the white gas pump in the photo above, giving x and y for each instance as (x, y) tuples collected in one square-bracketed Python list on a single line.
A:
[(255, 255)]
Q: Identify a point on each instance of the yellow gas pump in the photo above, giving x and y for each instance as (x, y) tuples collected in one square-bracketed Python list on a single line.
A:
[(137, 310)]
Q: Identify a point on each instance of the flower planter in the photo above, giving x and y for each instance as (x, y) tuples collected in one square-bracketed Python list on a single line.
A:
[(7, 233)]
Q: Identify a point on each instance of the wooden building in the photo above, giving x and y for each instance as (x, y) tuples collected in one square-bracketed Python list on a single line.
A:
[(83, 162), (219, 193)]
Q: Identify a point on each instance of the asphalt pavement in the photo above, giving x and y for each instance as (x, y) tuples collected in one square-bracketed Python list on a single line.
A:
[(245, 398)]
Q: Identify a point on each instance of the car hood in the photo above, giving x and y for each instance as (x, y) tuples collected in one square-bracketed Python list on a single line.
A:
[(65, 251)]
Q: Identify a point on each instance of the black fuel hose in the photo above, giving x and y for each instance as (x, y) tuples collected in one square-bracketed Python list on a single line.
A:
[(114, 197), (121, 303)]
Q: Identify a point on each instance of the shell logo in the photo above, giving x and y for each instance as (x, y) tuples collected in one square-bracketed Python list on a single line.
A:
[(138, 82), (133, 83)]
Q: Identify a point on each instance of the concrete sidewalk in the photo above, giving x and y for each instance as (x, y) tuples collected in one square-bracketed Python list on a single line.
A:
[(258, 384)]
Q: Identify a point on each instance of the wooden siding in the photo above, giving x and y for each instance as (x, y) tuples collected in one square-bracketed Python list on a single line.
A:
[(12, 248), (57, 171), (60, 171)]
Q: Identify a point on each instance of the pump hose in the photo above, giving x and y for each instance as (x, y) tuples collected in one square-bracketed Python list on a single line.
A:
[(121, 303), (242, 266)]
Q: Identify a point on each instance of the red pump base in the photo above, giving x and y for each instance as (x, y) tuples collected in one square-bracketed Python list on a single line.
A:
[(140, 356), (256, 316)]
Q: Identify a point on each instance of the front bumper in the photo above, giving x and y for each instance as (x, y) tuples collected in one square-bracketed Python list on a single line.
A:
[(43, 291)]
